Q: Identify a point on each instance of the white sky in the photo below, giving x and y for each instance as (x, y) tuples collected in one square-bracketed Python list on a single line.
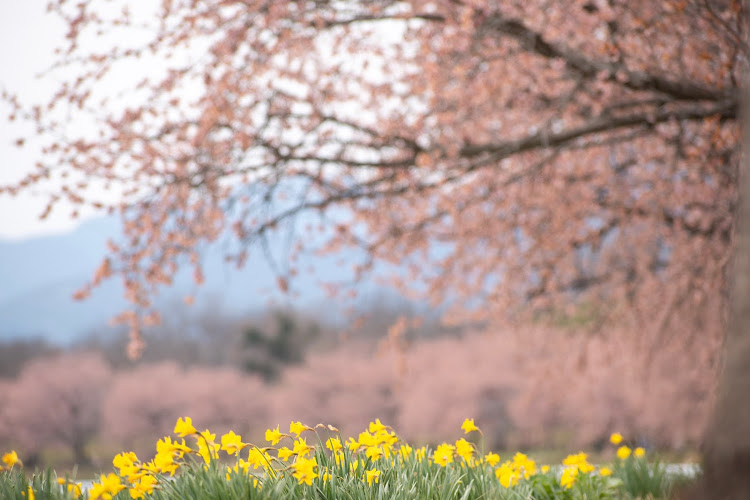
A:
[(28, 36)]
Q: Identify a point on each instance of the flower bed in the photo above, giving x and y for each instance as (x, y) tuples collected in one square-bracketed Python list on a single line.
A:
[(378, 464)]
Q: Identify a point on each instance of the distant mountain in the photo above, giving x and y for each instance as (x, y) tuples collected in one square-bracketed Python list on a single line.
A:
[(38, 277)]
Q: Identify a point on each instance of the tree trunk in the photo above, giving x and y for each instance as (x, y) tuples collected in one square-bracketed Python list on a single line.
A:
[(80, 457), (726, 449)]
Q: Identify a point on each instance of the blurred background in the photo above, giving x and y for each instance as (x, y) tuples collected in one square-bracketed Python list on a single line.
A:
[(240, 360), (629, 344)]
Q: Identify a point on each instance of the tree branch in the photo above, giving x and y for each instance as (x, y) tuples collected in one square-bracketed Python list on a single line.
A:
[(725, 110), (635, 80)]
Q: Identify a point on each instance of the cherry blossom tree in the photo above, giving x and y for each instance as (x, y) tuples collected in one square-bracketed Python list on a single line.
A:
[(346, 387), (5, 386), (144, 403), (509, 157), (56, 400), (534, 387)]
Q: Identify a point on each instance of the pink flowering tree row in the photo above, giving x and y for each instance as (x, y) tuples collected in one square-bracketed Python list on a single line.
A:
[(525, 388)]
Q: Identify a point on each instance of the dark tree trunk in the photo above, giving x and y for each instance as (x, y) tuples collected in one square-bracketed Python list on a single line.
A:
[(726, 449), (80, 457)]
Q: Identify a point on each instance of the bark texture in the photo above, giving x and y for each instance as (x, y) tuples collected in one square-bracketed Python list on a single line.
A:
[(726, 467)]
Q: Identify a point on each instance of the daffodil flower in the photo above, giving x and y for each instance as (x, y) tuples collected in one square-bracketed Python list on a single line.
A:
[(304, 470), (334, 444), (107, 487), (464, 449), (232, 443), (468, 426), (492, 458), (623, 452), (11, 458), (376, 426), (273, 436), (184, 427), (372, 475), (444, 454), (285, 453), (298, 428)]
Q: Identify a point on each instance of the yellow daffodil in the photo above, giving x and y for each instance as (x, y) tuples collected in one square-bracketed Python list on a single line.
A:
[(576, 459), (615, 438), (376, 426), (334, 444), (639, 452), (385, 437), (273, 436), (568, 477), (304, 470), (468, 426), (243, 466), (492, 458), (207, 450), (235, 469), (353, 445), (184, 427), (145, 486), (74, 489), (525, 465), (464, 449), (11, 458), (301, 447), (258, 458), (124, 460), (605, 471), (166, 445), (444, 454), (580, 462), (623, 452), (232, 443), (298, 428), (30, 493), (180, 448), (285, 453), (208, 436), (127, 464), (366, 439), (107, 487), (507, 474), (372, 475), (164, 463), (374, 452)]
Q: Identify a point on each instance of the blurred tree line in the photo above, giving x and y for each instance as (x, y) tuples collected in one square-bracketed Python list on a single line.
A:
[(259, 342)]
